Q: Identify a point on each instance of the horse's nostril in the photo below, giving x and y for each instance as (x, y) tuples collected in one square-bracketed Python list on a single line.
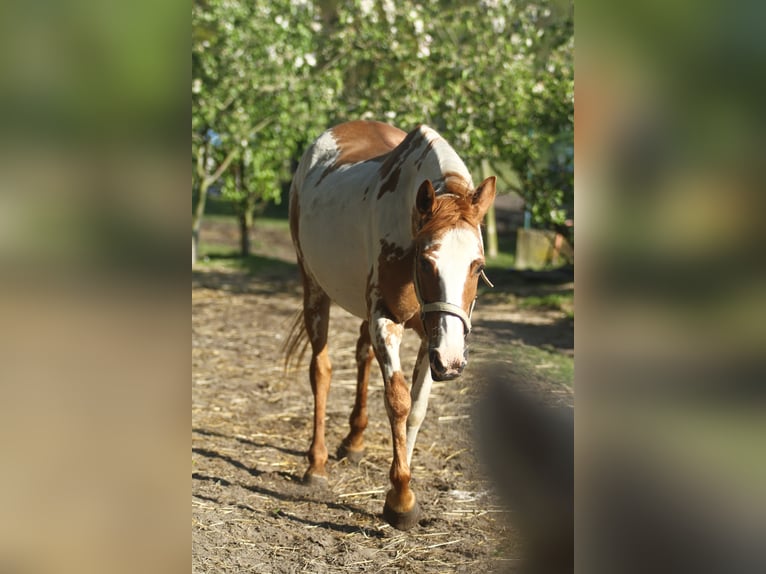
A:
[(436, 360)]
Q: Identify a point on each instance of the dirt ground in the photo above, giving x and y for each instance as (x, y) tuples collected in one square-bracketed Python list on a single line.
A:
[(251, 426)]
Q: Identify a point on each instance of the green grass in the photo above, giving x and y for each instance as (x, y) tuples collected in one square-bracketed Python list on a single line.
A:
[(272, 223), (542, 363), (552, 301), (503, 260), (533, 363), (214, 256), (506, 250), (260, 221), (218, 205), (255, 265)]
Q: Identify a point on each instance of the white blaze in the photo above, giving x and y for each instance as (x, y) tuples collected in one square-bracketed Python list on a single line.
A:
[(457, 250)]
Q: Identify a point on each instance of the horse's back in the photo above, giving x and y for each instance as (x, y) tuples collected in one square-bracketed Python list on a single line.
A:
[(363, 140), (346, 144)]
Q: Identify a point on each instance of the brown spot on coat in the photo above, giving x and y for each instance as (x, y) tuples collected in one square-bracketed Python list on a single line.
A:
[(392, 331), (422, 157), (363, 140), (398, 396), (470, 287), (395, 281), (416, 324), (390, 169)]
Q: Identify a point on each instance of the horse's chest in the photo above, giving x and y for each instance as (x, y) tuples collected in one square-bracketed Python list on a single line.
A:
[(393, 281)]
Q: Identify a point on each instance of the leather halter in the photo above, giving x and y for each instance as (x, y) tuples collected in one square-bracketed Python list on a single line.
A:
[(444, 307), (441, 306)]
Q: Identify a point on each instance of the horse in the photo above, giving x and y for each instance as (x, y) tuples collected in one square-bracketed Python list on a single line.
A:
[(386, 224)]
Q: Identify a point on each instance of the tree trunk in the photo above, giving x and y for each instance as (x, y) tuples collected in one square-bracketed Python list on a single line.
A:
[(245, 230), (204, 184), (491, 221), (491, 232), (199, 210)]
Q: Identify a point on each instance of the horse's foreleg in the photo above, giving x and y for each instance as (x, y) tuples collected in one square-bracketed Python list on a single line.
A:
[(421, 390), (316, 312), (352, 446), (401, 509)]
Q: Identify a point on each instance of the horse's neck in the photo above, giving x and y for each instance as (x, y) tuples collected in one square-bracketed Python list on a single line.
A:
[(396, 210), (443, 161)]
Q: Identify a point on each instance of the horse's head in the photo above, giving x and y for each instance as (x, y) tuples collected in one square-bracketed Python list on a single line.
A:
[(449, 258)]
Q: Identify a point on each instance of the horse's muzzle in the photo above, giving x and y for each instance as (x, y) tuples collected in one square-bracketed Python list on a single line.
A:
[(442, 372)]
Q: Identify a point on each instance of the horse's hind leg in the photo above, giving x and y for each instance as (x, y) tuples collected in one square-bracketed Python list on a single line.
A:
[(316, 314), (352, 446)]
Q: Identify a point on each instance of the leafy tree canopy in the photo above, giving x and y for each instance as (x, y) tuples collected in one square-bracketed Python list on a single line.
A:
[(494, 77)]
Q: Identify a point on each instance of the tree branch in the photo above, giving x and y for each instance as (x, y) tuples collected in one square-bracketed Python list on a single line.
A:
[(262, 124), (222, 167), (201, 161)]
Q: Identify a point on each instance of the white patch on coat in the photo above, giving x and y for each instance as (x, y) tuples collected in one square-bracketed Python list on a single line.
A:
[(385, 334), (325, 150), (442, 159)]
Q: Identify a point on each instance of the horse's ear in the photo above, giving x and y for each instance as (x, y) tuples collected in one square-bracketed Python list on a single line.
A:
[(426, 197), (484, 196)]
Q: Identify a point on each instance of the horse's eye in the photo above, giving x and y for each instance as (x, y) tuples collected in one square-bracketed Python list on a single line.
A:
[(479, 269), (425, 264)]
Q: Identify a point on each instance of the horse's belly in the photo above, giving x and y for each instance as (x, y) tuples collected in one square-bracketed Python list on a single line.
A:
[(335, 255)]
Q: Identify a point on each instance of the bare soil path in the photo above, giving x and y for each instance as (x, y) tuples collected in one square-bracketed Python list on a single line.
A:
[(251, 426)]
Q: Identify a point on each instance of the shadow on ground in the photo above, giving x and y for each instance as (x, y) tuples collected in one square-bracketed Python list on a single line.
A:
[(558, 334)]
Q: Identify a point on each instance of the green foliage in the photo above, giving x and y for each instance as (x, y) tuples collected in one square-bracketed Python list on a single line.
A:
[(494, 77), (249, 62)]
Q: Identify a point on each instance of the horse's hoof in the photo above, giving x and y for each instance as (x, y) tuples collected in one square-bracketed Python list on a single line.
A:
[(315, 481), (353, 456), (402, 520)]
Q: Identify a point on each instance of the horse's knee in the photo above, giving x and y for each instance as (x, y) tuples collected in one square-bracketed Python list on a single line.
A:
[(398, 396)]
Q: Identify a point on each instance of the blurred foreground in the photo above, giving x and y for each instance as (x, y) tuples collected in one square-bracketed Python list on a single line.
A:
[(670, 466)]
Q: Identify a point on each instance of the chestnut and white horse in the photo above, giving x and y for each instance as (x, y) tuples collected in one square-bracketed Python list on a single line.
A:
[(387, 225)]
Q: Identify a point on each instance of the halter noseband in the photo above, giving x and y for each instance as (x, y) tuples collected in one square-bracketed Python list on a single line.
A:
[(444, 307)]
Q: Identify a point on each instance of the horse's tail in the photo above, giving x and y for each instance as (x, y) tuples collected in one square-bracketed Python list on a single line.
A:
[(297, 341)]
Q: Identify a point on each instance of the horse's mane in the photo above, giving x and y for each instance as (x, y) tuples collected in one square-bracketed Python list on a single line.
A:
[(454, 204)]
